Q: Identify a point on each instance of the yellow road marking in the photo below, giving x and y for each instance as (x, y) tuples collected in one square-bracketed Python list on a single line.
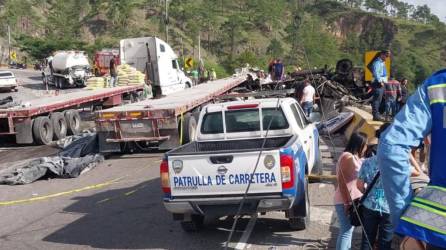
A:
[(121, 195), (46, 197)]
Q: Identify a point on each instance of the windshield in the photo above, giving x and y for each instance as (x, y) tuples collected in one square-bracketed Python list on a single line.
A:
[(6, 74), (246, 120)]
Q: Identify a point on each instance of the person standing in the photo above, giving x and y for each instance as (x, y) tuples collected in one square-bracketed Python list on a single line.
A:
[(375, 210), (392, 90), (424, 219), (213, 75), (113, 73), (271, 66), (307, 98), (195, 76), (347, 169), (279, 70), (404, 94), (379, 79)]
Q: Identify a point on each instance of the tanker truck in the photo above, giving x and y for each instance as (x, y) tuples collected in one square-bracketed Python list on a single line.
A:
[(67, 69)]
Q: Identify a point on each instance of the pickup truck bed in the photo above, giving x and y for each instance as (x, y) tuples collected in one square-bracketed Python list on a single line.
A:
[(232, 145)]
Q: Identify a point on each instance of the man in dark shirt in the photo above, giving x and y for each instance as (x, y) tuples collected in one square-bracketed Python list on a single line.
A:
[(113, 74), (404, 94), (278, 70)]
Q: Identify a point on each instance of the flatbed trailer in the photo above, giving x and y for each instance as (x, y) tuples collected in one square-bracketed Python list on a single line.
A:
[(46, 119), (163, 123)]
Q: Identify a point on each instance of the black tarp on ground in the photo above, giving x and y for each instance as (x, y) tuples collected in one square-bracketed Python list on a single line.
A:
[(76, 158)]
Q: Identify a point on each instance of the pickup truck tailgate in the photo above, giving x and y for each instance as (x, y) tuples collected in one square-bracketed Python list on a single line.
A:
[(224, 174)]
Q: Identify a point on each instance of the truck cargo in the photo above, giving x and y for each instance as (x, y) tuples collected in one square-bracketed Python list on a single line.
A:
[(158, 61), (67, 69), (163, 123), (42, 120), (268, 144)]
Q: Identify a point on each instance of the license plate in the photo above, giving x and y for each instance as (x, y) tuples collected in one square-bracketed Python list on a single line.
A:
[(137, 125)]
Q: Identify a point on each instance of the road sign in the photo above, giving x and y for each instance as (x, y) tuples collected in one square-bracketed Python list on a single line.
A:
[(370, 57), (189, 63), (13, 55)]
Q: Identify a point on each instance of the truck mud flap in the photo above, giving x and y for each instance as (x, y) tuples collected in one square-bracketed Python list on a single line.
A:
[(23, 129), (107, 147)]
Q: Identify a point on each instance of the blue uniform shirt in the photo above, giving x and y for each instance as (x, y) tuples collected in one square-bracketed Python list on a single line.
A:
[(409, 128), (379, 70)]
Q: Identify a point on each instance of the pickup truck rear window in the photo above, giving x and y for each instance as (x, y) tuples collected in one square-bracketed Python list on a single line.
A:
[(244, 121), (5, 74)]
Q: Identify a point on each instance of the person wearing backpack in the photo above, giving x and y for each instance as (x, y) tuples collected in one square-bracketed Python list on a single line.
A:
[(375, 213)]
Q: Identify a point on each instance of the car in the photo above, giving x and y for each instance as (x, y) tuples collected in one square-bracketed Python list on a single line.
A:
[(8, 81), (268, 144)]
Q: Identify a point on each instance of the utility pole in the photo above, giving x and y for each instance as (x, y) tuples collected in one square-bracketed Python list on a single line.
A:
[(199, 47), (9, 44), (166, 21)]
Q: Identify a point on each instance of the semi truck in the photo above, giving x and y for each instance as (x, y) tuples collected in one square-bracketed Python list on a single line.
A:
[(43, 120), (102, 61), (161, 123), (67, 69), (158, 61)]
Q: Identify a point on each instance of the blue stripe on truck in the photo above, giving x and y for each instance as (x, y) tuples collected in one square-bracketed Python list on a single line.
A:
[(300, 161)]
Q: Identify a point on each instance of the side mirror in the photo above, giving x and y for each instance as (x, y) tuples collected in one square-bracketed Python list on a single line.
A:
[(314, 117)]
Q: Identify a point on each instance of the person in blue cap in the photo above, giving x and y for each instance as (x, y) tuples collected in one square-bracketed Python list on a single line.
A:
[(421, 217)]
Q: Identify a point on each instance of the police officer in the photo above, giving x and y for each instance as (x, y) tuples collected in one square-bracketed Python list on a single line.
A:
[(424, 216)]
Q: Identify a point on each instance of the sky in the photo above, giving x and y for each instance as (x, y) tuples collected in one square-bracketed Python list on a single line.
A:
[(438, 7)]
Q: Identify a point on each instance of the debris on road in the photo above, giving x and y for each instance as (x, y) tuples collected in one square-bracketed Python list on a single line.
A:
[(336, 123), (80, 154), (6, 100)]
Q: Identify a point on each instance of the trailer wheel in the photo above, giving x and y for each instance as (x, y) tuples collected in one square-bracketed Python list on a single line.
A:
[(73, 120), (189, 128), (59, 125), (42, 130)]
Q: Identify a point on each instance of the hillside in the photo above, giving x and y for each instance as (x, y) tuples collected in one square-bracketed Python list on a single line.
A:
[(236, 32)]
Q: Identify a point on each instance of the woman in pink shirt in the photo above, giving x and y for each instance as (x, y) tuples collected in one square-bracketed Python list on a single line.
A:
[(347, 170)]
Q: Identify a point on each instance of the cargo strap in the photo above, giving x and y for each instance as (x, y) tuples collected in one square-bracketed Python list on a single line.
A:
[(428, 209), (437, 93)]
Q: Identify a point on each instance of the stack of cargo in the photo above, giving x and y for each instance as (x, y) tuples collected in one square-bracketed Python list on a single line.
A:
[(128, 75), (96, 82)]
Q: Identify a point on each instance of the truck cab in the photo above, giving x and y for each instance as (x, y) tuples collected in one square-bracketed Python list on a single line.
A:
[(156, 58), (268, 144)]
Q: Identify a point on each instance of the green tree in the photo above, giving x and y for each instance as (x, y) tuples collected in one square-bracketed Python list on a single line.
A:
[(275, 48)]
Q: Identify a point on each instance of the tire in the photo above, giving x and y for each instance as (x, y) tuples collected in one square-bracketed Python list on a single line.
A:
[(42, 130), (302, 223), (59, 125), (188, 85), (73, 120), (189, 128), (194, 225)]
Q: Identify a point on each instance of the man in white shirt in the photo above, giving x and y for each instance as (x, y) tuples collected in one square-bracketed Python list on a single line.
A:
[(307, 98)]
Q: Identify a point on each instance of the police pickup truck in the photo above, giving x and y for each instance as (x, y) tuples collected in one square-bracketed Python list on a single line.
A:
[(269, 143)]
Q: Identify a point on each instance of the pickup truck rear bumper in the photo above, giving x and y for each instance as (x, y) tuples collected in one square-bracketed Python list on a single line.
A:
[(228, 206)]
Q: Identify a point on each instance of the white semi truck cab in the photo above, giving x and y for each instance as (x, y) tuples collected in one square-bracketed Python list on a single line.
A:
[(268, 143), (156, 58)]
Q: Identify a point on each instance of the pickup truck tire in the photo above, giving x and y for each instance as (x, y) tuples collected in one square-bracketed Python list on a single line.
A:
[(194, 225), (59, 125), (302, 223), (73, 120), (42, 130)]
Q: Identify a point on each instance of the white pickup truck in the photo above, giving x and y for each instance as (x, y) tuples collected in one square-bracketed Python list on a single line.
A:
[(268, 142)]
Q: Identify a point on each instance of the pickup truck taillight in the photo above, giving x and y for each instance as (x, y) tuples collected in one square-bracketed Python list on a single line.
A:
[(164, 175), (287, 171)]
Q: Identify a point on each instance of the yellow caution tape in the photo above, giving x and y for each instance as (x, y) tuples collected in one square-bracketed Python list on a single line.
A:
[(46, 197)]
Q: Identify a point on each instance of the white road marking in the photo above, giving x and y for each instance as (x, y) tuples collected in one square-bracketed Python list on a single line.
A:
[(244, 239)]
